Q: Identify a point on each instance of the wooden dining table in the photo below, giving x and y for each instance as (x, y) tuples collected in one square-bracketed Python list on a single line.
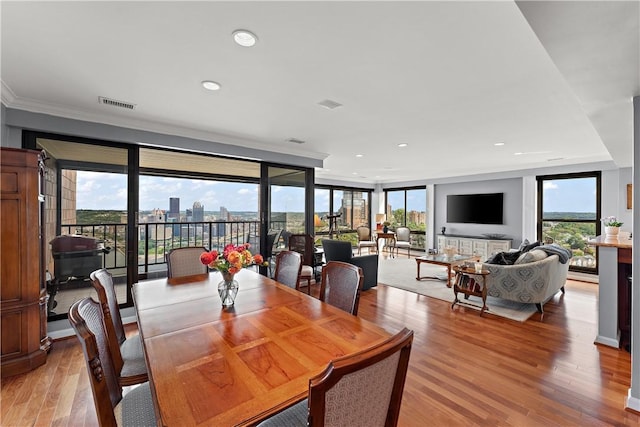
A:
[(236, 366)]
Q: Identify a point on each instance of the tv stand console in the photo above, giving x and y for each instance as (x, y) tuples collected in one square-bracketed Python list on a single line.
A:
[(481, 247)]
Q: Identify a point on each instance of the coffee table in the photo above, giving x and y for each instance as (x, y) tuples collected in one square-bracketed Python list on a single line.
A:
[(443, 260)]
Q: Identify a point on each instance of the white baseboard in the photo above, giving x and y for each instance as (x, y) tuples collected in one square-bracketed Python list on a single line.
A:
[(632, 402), (611, 342), (583, 277)]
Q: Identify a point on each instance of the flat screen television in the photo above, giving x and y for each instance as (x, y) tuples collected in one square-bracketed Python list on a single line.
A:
[(483, 208)]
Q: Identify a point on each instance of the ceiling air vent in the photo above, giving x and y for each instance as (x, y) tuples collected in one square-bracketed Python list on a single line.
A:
[(114, 103), (295, 141), (329, 104)]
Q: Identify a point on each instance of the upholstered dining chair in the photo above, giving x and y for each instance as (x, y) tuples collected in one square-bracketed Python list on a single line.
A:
[(126, 353), (365, 239), (403, 240), (341, 285), (112, 408), (303, 244), (185, 261), (288, 268), (372, 381)]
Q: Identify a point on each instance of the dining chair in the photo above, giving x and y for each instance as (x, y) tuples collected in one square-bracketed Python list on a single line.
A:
[(403, 240), (303, 244), (185, 261), (112, 408), (288, 268), (126, 353), (365, 239), (273, 236), (360, 389), (341, 285)]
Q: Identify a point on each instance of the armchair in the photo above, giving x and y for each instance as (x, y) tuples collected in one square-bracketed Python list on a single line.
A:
[(338, 250)]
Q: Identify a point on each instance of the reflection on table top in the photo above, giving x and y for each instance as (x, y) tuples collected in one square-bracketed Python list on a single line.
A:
[(444, 259), (234, 367)]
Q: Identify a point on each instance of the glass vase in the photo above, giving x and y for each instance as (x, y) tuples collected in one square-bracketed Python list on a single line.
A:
[(228, 289)]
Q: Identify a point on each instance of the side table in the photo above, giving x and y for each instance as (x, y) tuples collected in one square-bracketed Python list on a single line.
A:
[(466, 281), (381, 235)]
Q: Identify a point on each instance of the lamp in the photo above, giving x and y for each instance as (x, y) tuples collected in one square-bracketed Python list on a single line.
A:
[(379, 220)]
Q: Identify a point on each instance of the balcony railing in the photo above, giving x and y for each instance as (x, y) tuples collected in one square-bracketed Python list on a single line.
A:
[(156, 239)]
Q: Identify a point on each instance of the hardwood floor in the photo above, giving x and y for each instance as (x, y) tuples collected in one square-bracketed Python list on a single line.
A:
[(465, 370)]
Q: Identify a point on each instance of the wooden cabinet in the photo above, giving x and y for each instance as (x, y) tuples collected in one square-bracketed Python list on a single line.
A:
[(477, 246), (23, 295)]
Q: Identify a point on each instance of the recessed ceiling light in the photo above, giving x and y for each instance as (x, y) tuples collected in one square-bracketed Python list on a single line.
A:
[(498, 144), (245, 38), (359, 155), (354, 173), (211, 85), (519, 153), (404, 144)]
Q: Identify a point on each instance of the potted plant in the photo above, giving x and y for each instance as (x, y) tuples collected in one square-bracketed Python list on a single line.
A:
[(385, 226), (611, 227)]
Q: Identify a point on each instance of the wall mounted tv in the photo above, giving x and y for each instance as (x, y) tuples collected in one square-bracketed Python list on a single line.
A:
[(485, 208)]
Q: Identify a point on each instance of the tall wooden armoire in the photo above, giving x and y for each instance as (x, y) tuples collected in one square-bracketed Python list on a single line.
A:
[(23, 294)]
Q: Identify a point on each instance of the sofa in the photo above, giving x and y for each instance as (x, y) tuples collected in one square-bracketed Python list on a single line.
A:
[(338, 250), (533, 278)]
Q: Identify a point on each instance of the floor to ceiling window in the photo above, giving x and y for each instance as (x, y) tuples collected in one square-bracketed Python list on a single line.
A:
[(137, 203), (351, 205), (569, 215), (407, 207)]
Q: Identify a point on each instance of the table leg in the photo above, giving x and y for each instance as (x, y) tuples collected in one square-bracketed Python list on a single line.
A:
[(449, 277), (418, 270)]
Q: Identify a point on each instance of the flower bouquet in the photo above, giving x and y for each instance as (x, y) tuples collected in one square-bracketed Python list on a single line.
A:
[(229, 262)]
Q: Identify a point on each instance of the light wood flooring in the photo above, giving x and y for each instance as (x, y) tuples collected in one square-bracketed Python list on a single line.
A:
[(465, 370)]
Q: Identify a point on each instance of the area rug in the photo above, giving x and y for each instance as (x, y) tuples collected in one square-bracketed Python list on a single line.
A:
[(401, 273)]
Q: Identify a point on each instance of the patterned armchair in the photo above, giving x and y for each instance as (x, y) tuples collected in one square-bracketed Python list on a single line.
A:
[(532, 282)]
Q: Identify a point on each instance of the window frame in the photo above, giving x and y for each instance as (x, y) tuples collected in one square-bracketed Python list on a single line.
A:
[(540, 219)]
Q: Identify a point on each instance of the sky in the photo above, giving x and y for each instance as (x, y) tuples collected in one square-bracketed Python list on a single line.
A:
[(108, 191), (570, 195)]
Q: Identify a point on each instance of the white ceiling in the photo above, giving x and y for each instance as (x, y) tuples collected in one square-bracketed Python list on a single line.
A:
[(552, 80)]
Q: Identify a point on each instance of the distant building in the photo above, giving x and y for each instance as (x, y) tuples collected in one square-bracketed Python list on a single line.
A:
[(174, 209), (224, 214), (198, 212)]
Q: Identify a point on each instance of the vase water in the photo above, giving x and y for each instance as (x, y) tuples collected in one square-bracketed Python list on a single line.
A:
[(228, 289)]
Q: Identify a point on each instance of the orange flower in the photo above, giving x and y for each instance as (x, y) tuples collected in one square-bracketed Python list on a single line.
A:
[(257, 258), (234, 257)]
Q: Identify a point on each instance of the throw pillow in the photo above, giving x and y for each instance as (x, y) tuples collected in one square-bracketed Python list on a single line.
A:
[(525, 246), (531, 256)]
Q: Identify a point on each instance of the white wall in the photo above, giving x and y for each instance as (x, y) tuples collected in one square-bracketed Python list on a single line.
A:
[(513, 206)]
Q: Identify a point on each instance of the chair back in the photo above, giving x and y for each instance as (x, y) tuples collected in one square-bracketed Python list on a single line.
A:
[(288, 268), (185, 261), (341, 285), (303, 244), (102, 282), (371, 381), (86, 318), (403, 234), (364, 233), (272, 237), (337, 250)]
